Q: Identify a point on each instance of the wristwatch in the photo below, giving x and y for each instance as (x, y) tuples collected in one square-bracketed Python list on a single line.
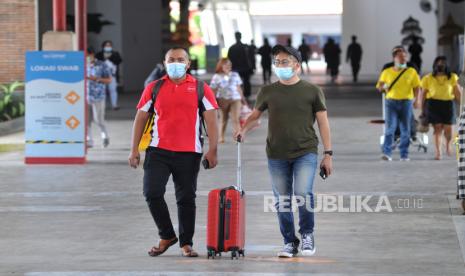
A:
[(328, 152)]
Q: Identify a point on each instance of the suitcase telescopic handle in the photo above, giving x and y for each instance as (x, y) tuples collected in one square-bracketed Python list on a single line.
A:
[(239, 163)]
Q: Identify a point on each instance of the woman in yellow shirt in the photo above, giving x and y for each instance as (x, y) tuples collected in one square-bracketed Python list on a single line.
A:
[(440, 91)]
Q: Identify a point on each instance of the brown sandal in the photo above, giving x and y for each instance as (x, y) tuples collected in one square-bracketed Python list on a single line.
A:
[(156, 251)]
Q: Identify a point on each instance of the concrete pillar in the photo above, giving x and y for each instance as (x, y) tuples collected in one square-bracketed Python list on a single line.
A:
[(58, 39), (81, 24), (59, 15)]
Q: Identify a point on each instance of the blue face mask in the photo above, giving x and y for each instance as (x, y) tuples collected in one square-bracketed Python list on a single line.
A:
[(107, 49), (176, 70), (284, 73)]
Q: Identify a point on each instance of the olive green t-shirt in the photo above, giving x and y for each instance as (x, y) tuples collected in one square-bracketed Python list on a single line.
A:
[(291, 115)]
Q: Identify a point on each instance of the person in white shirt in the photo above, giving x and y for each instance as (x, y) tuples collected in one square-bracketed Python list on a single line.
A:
[(227, 86)]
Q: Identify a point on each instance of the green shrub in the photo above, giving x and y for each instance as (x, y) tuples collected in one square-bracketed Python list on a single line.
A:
[(11, 104)]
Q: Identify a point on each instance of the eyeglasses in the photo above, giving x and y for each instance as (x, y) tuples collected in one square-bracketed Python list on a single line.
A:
[(179, 60), (284, 62)]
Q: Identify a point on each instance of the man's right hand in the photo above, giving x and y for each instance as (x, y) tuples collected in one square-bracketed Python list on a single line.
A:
[(134, 159), (239, 133)]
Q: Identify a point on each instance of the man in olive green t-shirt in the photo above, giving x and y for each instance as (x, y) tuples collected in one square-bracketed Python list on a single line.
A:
[(292, 145)]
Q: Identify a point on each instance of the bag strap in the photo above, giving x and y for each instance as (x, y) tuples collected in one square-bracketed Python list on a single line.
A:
[(200, 95), (155, 91), (397, 78)]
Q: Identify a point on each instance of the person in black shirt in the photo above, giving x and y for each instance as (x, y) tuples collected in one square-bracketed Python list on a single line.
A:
[(354, 54), (415, 51), (238, 54), (332, 54), (252, 52), (265, 53), (306, 53)]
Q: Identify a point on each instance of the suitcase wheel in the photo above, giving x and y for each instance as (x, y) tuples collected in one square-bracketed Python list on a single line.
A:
[(242, 252), (234, 255)]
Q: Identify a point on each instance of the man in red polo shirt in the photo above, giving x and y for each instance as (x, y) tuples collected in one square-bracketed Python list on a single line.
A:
[(175, 149)]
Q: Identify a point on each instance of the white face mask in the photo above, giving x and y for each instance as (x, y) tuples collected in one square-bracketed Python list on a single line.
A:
[(401, 65)]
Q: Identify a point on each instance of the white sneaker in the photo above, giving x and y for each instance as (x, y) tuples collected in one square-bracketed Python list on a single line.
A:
[(308, 245), (386, 157), (289, 250), (405, 159)]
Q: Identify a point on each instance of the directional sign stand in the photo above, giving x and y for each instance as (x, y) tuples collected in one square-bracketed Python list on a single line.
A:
[(55, 108)]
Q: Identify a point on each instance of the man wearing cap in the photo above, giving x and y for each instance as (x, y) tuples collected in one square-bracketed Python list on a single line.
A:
[(292, 145), (402, 86)]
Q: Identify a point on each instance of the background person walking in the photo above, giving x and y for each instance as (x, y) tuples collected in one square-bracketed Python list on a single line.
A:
[(265, 53), (113, 59), (354, 55), (402, 86), (227, 85), (238, 54), (332, 54), (306, 53), (441, 91), (98, 76)]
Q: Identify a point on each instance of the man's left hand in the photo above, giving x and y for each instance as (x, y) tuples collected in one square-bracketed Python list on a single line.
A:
[(327, 163)]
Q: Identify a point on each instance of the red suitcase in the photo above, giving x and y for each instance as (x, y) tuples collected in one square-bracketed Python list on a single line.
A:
[(226, 218)]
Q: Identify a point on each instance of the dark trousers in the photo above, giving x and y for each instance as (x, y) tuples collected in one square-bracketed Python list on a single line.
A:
[(334, 70), (159, 164), (355, 70), (266, 74), (245, 76)]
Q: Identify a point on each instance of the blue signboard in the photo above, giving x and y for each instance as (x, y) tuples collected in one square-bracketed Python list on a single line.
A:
[(55, 107)]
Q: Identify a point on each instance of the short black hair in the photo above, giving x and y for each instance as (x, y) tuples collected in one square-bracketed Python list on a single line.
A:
[(435, 68), (105, 42), (179, 48), (396, 49)]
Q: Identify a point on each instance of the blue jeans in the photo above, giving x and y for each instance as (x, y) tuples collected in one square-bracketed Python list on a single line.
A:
[(398, 113), (293, 177)]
